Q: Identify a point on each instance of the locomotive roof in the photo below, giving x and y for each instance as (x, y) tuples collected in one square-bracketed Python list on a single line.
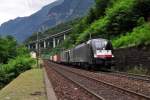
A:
[(80, 45), (92, 40), (98, 39)]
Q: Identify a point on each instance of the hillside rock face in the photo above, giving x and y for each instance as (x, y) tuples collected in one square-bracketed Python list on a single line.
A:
[(49, 16)]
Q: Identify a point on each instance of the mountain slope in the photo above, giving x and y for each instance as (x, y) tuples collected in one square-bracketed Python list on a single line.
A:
[(48, 16), (23, 26)]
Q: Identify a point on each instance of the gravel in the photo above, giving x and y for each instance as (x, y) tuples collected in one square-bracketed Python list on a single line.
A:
[(124, 82), (103, 90), (65, 89)]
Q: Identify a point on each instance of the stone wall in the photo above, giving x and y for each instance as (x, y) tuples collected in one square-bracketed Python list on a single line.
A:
[(126, 58)]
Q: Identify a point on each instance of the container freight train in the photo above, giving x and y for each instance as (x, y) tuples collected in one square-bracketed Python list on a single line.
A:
[(93, 53)]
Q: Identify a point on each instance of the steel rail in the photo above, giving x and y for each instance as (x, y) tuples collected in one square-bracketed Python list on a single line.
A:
[(109, 84), (130, 75), (80, 85)]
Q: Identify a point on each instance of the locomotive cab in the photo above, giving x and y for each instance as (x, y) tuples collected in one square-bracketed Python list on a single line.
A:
[(102, 51)]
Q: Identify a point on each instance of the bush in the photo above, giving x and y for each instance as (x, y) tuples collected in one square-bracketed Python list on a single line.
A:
[(14, 67), (138, 70), (140, 35), (20, 64)]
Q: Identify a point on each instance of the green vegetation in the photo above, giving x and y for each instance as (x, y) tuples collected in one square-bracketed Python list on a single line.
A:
[(7, 49), (14, 60), (139, 70), (119, 18), (27, 86), (14, 68), (139, 36)]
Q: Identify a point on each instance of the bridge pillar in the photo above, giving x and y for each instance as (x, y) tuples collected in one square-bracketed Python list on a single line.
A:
[(36, 46), (48, 44), (29, 46), (54, 42), (64, 36), (40, 45), (45, 44), (58, 41)]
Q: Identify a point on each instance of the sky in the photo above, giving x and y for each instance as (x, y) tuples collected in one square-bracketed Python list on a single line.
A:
[(11, 9)]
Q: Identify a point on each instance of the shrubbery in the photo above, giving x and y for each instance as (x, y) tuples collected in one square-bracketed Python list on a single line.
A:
[(139, 36), (14, 68), (119, 18), (139, 71), (110, 18), (14, 59)]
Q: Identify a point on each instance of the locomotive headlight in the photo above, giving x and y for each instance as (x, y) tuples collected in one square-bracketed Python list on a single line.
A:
[(113, 56)]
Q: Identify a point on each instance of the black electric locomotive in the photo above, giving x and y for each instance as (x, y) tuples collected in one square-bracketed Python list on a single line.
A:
[(93, 52)]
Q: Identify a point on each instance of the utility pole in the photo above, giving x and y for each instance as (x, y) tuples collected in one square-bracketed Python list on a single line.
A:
[(37, 51), (38, 47)]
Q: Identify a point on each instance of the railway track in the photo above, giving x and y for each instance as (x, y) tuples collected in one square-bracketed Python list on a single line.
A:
[(82, 86), (96, 97), (99, 88), (145, 78)]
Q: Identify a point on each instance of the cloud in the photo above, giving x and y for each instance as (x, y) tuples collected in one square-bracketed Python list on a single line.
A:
[(10, 9)]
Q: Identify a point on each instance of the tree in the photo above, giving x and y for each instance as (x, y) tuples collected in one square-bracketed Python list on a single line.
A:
[(91, 16), (8, 47), (100, 7)]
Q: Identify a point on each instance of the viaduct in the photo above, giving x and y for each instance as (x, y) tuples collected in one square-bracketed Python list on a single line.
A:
[(48, 42)]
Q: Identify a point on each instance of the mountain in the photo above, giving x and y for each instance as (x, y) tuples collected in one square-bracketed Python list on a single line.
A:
[(49, 16)]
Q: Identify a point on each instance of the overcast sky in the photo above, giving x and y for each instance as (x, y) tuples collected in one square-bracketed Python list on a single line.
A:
[(10, 9)]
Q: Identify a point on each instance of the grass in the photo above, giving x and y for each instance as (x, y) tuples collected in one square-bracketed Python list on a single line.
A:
[(28, 86), (139, 70)]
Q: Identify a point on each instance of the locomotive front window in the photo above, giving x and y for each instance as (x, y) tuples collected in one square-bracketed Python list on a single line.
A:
[(109, 46), (99, 44)]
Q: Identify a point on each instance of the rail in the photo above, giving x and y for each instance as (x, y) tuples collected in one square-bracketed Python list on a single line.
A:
[(139, 95)]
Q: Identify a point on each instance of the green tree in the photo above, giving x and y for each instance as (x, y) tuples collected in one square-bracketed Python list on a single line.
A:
[(101, 6), (8, 47), (91, 16)]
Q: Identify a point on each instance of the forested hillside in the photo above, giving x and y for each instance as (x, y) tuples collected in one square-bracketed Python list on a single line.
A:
[(124, 22), (121, 21)]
